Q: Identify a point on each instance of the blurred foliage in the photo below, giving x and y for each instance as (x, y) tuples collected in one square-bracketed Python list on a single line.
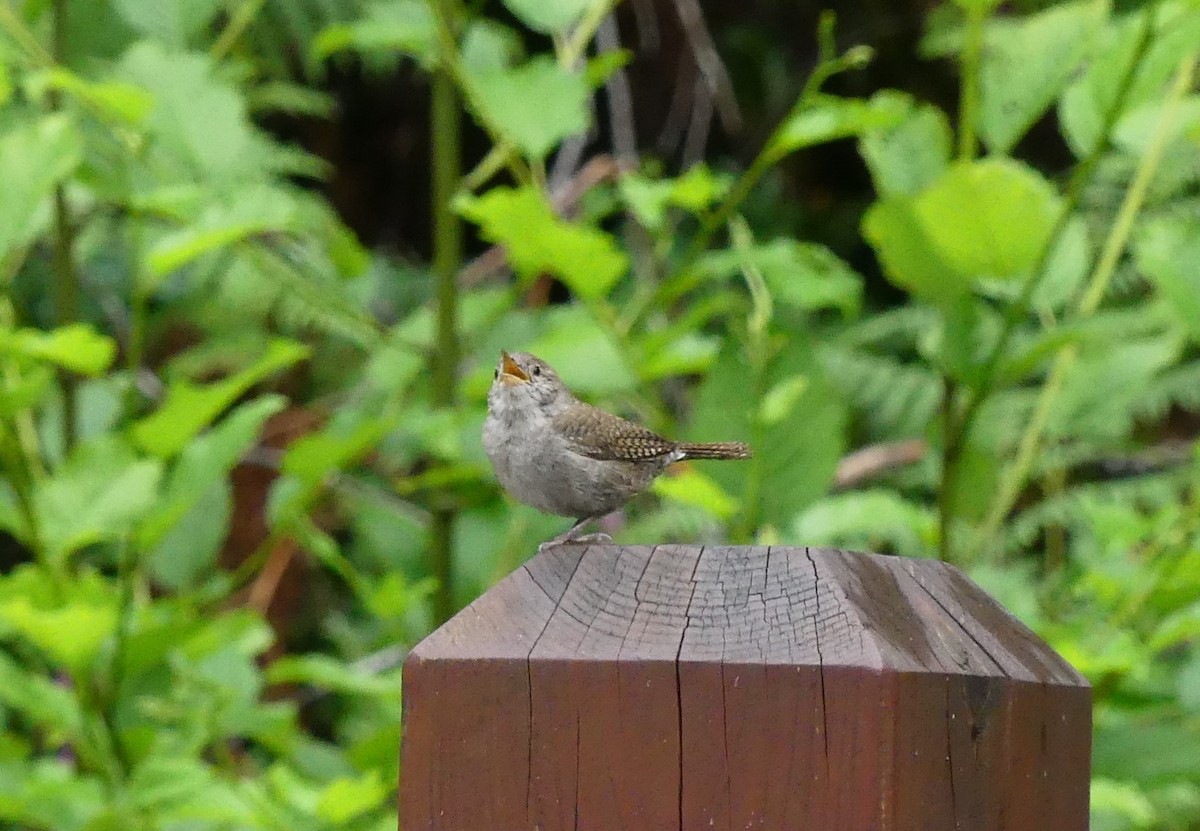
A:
[(222, 451)]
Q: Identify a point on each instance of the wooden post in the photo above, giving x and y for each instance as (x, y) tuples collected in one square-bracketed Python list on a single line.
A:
[(602, 688)]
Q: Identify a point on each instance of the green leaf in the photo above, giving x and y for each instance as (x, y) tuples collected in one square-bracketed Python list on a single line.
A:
[(694, 191), (488, 45), (25, 392), (1084, 104), (35, 156), (804, 275), (6, 87), (173, 22), (189, 407), (535, 105), (871, 520), (1098, 396), (602, 67), (981, 6), (1151, 749), (77, 347), (186, 792), (118, 101), (691, 487), (101, 491), (1026, 64), (549, 16), (204, 462), (667, 355), (404, 26), (199, 127), (909, 155), (779, 402), (70, 635), (247, 213), (1169, 252), (826, 118), (313, 457), (536, 241), (989, 218), (326, 673), (345, 799), (186, 552), (44, 703), (795, 457), (1066, 268), (908, 255), (69, 624)]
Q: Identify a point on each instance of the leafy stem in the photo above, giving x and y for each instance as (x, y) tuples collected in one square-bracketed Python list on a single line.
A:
[(958, 425), (967, 114), (829, 64), (66, 276), (446, 18), (238, 24), (758, 350), (573, 47), (447, 259), (1097, 286), (968, 107)]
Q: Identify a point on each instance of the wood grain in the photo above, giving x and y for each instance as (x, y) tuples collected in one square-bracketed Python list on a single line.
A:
[(637, 687)]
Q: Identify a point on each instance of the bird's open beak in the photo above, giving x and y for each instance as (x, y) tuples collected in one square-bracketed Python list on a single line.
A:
[(510, 373)]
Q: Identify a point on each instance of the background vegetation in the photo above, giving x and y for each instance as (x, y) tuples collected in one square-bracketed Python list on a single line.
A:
[(939, 265)]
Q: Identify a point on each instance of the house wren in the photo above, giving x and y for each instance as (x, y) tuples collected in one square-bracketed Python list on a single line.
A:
[(562, 456)]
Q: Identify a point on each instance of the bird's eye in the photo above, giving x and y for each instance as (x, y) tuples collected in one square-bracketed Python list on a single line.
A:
[(495, 374), (537, 370)]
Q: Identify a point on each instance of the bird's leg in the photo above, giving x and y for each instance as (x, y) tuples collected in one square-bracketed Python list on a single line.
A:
[(572, 535)]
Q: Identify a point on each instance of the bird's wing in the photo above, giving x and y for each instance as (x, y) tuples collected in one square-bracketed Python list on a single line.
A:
[(604, 436)]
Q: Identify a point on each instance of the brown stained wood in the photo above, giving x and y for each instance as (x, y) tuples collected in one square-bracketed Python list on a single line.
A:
[(672, 687)]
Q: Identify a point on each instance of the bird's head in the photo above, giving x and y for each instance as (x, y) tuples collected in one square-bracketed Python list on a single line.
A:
[(524, 380)]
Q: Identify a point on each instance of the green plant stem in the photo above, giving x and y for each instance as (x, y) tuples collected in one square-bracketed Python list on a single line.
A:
[(17, 474), (949, 471), (445, 16), (759, 353), (12, 23), (829, 65), (126, 576), (447, 259), (577, 42), (732, 201), (66, 277), (962, 424), (503, 152), (967, 114), (968, 102), (1114, 246), (245, 15), (1175, 538)]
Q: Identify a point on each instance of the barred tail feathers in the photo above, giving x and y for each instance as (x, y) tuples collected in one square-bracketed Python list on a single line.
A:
[(716, 450)]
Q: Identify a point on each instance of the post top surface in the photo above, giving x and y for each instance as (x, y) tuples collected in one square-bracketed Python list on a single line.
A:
[(747, 605)]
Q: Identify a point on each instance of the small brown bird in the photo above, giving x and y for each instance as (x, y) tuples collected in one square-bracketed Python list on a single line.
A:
[(554, 452)]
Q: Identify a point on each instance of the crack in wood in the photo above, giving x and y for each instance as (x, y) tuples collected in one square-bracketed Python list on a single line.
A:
[(950, 758), (820, 655), (687, 622), (529, 677)]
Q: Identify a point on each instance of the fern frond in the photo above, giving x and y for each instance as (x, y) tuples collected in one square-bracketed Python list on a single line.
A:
[(894, 399), (1178, 386), (894, 330), (1148, 492)]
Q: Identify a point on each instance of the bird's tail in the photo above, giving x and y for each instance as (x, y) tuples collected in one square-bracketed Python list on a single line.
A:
[(716, 450)]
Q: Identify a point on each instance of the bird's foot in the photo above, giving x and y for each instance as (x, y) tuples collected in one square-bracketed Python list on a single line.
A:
[(585, 539)]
